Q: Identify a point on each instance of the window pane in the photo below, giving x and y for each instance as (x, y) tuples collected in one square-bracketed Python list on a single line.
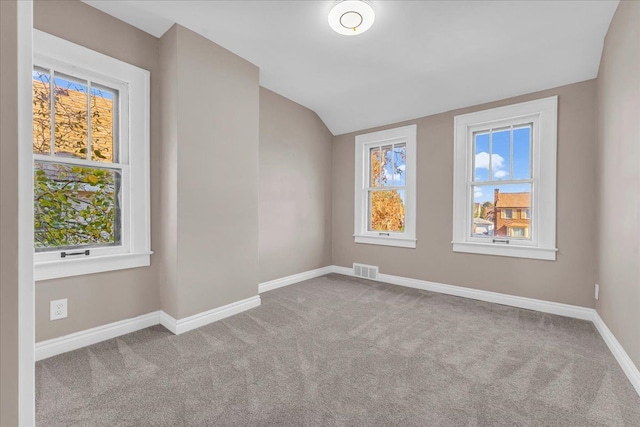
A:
[(386, 178), (386, 210), (70, 117), (374, 167), (103, 144), (41, 111), (522, 153), (75, 206), (502, 211), (501, 154), (399, 162), (481, 170)]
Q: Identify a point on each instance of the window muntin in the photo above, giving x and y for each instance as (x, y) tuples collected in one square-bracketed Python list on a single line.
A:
[(506, 154), (385, 187), (77, 178)]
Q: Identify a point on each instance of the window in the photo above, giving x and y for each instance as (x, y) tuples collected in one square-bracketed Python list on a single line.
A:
[(91, 161), (514, 231), (385, 188), (507, 214), (505, 176)]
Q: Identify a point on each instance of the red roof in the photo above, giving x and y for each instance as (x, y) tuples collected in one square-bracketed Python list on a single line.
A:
[(514, 200)]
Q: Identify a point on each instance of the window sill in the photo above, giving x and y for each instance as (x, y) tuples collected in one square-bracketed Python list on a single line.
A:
[(77, 267), (386, 241), (515, 251)]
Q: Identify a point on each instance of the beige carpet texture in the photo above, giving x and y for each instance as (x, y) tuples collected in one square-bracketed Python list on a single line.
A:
[(340, 351)]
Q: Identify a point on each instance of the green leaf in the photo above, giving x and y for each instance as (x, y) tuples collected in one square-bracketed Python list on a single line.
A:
[(92, 179)]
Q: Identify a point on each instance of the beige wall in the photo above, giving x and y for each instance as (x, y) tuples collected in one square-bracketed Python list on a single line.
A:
[(8, 215), (294, 189), (167, 243), (569, 280), (215, 148), (102, 298), (618, 93)]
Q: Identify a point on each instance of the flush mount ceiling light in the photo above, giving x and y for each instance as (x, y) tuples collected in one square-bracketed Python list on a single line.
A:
[(351, 17)]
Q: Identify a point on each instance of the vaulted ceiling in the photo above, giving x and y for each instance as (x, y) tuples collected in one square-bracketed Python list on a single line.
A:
[(419, 58)]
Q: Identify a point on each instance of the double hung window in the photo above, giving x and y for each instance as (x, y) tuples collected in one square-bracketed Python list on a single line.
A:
[(91, 161), (505, 181), (385, 187)]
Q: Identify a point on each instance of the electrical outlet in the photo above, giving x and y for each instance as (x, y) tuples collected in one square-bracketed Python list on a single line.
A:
[(58, 309), (597, 291)]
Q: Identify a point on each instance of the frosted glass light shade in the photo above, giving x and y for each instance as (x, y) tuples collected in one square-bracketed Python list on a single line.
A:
[(351, 17)]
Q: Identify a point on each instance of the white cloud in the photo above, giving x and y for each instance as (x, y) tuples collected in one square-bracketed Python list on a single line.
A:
[(500, 174), (482, 161), (477, 193), (397, 177)]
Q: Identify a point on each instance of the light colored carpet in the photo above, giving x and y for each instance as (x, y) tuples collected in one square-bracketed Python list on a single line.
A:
[(341, 351)]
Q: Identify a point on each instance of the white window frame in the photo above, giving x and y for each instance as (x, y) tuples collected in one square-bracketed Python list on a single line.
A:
[(406, 239), (543, 114), (133, 84)]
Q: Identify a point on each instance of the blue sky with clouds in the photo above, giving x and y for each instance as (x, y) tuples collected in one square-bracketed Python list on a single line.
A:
[(493, 155)]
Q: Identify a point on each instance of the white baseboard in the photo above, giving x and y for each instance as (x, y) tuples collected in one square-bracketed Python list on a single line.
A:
[(55, 346), (52, 347), (169, 322), (567, 310), (621, 356), (186, 324), (294, 278)]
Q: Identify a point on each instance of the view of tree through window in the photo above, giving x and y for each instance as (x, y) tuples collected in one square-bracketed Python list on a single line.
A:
[(502, 183), (77, 203), (387, 188)]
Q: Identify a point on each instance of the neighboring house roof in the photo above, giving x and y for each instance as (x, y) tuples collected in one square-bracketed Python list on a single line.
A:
[(514, 200), (482, 221)]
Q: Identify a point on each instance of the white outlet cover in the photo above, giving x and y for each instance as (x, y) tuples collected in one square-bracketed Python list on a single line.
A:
[(597, 291), (58, 309)]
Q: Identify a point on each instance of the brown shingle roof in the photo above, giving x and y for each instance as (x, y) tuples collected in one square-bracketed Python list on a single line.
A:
[(514, 200)]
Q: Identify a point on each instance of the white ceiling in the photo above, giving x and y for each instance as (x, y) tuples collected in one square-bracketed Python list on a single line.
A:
[(419, 58)]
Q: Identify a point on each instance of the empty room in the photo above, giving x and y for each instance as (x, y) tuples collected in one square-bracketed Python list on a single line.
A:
[(319, 213)]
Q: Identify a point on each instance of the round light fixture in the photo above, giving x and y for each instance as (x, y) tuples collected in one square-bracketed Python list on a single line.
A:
[(351, 17)]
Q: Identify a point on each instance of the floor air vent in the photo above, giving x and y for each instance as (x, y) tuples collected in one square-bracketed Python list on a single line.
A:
[(365, 271)]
